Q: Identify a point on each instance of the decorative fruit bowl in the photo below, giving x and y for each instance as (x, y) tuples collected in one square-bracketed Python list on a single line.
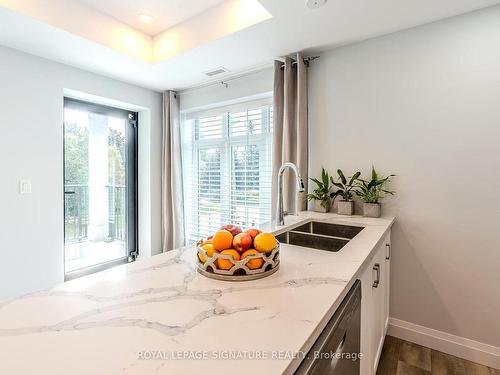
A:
[(233, 255)]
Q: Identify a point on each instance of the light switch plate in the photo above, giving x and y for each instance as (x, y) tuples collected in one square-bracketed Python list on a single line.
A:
[(24, 186)]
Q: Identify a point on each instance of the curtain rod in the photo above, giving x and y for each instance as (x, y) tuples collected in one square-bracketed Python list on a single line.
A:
[(307, 61), (224, 82)]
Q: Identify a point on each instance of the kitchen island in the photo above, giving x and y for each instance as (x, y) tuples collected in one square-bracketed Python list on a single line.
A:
[(159, 316)]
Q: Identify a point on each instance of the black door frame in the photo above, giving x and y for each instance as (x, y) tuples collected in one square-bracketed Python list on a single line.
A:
[(132, 183)]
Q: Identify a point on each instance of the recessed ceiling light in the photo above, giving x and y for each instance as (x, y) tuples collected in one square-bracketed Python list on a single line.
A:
[(313, 4), (146, 18)]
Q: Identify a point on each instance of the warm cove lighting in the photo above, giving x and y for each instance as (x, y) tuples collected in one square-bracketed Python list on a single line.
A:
[(222, 20), (244, 13), (249, 12), (132, 43), (146, 18), (167, 46), (228, 17)]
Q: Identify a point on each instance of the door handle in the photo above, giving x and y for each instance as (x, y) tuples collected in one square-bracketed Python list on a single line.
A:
[(388, 252), (376, 282)]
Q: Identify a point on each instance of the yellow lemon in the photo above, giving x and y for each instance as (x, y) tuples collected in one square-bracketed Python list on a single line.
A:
[(209, 249), (206, 242), (265, 242)]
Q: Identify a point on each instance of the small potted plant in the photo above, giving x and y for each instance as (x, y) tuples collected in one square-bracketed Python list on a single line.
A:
[(371, 192), (321, 194), (346, 191)]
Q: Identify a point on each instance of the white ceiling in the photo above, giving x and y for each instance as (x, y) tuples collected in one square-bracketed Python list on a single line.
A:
[(293, 27), (165, 13)]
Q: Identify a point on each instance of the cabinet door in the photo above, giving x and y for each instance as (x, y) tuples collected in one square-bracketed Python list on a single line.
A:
[(378, 305), (367, 320), (387, 279), (374, 308)]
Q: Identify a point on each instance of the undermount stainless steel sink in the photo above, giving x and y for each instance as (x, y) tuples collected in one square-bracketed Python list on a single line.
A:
[(327, 229), (321, 236)]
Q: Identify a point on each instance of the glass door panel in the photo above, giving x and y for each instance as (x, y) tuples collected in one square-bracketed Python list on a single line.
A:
[(99, 187)]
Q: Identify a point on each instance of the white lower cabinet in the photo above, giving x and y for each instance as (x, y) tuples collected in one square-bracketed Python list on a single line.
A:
[(375, 280)]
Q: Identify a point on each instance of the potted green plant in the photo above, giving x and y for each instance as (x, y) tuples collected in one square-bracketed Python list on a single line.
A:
[(346, 191), (321, 194), (372, 191)]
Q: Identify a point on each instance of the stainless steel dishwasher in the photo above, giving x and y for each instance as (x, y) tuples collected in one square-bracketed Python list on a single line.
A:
[(336, 351)]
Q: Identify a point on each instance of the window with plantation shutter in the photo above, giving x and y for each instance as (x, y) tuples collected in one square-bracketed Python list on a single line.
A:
[(227, 155)]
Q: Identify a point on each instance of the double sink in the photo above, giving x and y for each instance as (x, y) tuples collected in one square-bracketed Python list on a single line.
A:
[(319, 235)]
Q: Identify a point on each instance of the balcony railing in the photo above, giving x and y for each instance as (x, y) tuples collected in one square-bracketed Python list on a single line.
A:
[(76, 212), (117, 220), (76, 216)]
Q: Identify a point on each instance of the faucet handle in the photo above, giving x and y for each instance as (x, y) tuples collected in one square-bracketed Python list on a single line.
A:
[(300, 185)]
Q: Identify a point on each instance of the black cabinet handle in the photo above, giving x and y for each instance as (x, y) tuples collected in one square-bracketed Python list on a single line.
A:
[(376, 268)]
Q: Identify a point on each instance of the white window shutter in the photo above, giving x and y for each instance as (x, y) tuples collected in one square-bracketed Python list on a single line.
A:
[(230, 169)]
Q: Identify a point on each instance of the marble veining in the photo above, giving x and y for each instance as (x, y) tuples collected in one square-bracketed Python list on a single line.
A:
[(105, 322)]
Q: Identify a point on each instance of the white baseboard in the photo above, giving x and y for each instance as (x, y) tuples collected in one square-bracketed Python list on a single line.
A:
[(471, 350)]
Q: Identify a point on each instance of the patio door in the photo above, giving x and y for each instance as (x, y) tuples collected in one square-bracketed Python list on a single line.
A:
[(100, 187)]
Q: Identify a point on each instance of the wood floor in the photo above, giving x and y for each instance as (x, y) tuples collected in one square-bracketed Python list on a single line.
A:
[(400, 357)]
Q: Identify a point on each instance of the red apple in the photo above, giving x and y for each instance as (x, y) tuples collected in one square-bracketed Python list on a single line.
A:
[(242, 242), (233, 229), (253, 232)]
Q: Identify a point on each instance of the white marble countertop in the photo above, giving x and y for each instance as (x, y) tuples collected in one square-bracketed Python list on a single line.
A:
[(159, 316)]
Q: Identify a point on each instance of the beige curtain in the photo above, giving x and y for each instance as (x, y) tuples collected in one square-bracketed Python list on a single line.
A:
[(290, 129), (172, 194)]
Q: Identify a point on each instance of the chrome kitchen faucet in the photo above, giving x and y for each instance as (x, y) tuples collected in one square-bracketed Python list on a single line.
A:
[(280, 213)]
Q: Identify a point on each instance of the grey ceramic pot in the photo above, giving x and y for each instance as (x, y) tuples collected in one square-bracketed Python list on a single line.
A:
[(345, 208), (317, 207), (371, 209)]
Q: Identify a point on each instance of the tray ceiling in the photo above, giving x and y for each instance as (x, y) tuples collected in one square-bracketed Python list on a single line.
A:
[(165, 13), (240, 35)]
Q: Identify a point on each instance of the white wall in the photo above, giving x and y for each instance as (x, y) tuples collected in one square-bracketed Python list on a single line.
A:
[(31, 147), (425, 104)]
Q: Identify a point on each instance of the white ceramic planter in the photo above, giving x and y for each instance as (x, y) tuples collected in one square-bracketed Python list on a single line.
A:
[(317, 207), (371, 209), (345, 208)]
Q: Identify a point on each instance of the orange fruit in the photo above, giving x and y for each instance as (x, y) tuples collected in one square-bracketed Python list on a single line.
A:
[(265, 242), (252, 263), (210, 250), (224, 264), (222, 239)]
